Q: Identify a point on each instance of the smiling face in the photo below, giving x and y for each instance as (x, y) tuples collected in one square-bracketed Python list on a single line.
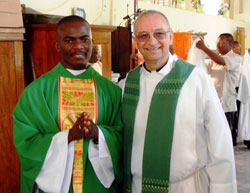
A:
[(155, 49), (74, 42)]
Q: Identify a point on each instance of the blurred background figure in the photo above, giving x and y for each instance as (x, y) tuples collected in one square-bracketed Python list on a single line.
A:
[(171, 50), (244, 98), (236, 48), (224, 68), (95, 59)]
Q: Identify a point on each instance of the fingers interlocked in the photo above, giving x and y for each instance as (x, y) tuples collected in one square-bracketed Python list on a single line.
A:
[(85, 127)]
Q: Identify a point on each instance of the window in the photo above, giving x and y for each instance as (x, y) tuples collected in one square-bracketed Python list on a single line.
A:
[(211, 7), (158, 2), (162, 2)]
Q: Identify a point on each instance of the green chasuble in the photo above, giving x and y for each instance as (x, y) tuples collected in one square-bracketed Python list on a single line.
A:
[(160, 126), (36, 122)]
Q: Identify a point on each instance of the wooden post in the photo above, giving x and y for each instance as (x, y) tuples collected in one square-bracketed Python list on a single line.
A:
[(12, 85)]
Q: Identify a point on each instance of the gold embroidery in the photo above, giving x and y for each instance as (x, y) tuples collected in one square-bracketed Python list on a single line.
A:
[(76, 96)]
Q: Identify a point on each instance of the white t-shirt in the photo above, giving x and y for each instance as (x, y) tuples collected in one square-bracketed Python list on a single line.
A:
[(226, 79)]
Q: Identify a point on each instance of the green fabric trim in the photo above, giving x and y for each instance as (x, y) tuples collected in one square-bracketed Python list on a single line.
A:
[(160, 127), (154, 185), (160, 124), (129, 105), (36, 122)]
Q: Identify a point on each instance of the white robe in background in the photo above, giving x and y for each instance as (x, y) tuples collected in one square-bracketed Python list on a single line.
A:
[(244, 98), (202, 157), (196, 56)]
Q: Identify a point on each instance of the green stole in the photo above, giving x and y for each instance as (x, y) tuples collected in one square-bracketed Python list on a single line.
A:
[(160, 126)]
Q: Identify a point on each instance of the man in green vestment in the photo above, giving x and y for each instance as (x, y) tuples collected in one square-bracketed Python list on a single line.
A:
[(47, 150), (176, 137)]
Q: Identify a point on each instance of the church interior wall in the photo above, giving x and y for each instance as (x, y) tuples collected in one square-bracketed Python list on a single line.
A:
[(112, 12)]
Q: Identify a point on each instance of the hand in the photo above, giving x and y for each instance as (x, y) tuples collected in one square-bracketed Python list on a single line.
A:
[(83, 126), (200, 44), (90, 128)]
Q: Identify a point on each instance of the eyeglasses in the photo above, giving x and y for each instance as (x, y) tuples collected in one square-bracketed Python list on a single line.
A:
[(159, 35)]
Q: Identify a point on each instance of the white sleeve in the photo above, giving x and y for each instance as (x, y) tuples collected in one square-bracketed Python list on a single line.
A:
[(101, 161), (55, 175), (233, 62), (57, 167), (220, 166)]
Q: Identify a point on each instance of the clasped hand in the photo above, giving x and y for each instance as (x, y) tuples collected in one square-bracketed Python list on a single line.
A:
[(83, 127)]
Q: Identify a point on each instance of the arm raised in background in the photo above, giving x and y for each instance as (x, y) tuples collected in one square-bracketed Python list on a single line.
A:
[(215, 57)]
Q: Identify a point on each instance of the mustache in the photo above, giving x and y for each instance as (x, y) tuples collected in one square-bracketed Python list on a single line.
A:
[(78, 53)]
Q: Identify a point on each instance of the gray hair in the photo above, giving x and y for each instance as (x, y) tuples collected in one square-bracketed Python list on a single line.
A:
[(151, 12)]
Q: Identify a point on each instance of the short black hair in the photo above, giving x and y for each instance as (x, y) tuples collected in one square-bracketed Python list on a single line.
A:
[(228, 36), (71, 18)]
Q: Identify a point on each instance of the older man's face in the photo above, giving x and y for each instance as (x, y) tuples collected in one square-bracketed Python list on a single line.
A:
[(152, 38)]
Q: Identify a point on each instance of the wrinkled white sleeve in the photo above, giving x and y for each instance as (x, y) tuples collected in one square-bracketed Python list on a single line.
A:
[(203, 137), (100, 159), (221, 165), (56, 171)]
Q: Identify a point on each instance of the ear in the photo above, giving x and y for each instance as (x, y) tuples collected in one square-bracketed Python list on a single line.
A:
[(171, 36), (57, 46), (134, 41)]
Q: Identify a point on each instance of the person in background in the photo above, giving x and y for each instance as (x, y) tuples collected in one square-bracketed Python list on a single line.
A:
[(95, 59), (176, 136), (171, 50), (224, 69), (236, 48), (244, 98), (67, 132)]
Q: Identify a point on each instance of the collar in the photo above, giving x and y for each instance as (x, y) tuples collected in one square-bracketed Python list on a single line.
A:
[(76, 72), (165, 69), (228, 53)]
